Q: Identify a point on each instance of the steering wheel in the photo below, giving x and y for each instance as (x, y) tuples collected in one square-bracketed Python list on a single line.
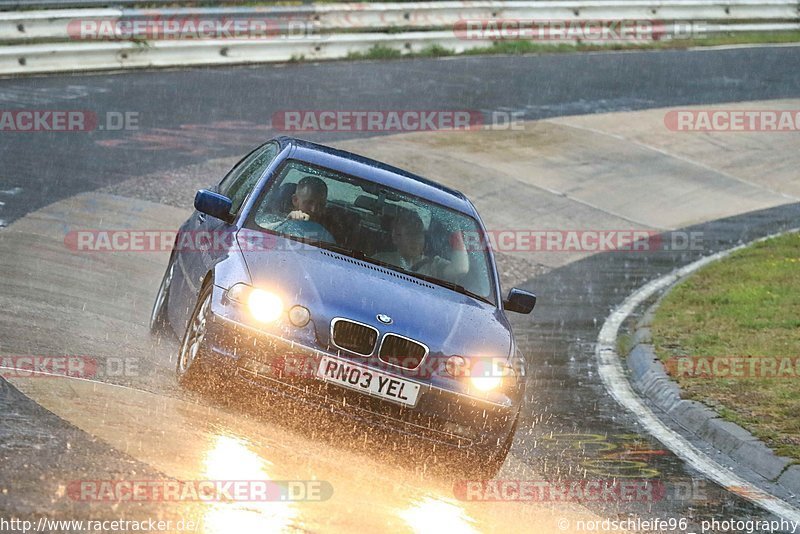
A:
[(420, 264), (310, 229)]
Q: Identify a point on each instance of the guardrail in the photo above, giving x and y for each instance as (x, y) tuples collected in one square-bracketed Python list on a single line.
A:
[(7, 5), (48, 41), (54, 24)]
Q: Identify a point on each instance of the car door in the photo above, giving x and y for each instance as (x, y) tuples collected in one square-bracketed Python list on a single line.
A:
[(211, 235)]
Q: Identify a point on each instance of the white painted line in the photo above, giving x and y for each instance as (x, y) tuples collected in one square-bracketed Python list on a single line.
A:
[(744, 45), (610, 369)]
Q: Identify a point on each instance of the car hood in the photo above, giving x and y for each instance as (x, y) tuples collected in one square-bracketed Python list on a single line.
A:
[(333, 285)]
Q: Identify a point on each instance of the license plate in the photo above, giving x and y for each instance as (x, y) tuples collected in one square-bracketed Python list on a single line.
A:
[(368, 381)]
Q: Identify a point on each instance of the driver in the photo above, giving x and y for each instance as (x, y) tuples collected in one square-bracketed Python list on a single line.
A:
[(309, 200), (408, 236), (305, 220)]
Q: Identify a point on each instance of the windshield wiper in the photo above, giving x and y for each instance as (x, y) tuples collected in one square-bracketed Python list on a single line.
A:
[(333, 247), (361, 255), (432, 279), (458, 288)]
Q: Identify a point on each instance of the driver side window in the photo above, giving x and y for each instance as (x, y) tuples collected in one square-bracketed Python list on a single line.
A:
[(243, 178)]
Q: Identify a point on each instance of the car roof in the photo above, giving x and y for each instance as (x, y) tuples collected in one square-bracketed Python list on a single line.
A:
[(376, 171)]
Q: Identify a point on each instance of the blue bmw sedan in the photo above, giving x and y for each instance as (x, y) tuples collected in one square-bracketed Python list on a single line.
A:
[(343, 282)]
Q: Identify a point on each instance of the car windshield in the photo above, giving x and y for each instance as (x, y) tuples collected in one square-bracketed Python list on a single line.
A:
[(376, 224)]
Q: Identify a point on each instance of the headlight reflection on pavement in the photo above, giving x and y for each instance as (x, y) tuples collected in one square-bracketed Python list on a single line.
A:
[(230, 458), (435, 514)]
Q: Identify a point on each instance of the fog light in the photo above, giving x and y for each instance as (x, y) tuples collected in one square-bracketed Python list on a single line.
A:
[(264, 306), (456, 366), (299, 316)]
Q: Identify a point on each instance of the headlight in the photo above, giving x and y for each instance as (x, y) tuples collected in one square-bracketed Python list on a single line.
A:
[(487, 375), (486, 383), (263, 306)]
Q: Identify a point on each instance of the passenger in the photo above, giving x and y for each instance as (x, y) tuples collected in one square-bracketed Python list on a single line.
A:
[(408, 236)]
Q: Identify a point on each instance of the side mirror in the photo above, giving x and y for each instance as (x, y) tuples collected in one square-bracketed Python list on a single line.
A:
[(519, 301), (213, 204)]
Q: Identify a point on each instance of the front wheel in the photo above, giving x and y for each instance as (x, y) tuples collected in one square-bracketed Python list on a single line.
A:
[(190, 358), (158, 317)]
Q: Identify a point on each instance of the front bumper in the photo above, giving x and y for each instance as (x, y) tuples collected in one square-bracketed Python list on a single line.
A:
[(441, 416)]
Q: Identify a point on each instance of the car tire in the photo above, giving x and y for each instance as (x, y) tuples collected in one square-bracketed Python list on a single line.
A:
[(158, 316), (191, 367)]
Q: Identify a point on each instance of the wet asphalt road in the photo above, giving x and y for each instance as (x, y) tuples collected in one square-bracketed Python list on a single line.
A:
[(187, 116), (190, 116), (569, 397)]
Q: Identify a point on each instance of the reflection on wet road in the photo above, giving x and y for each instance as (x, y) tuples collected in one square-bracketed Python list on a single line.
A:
[(187, 441)]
